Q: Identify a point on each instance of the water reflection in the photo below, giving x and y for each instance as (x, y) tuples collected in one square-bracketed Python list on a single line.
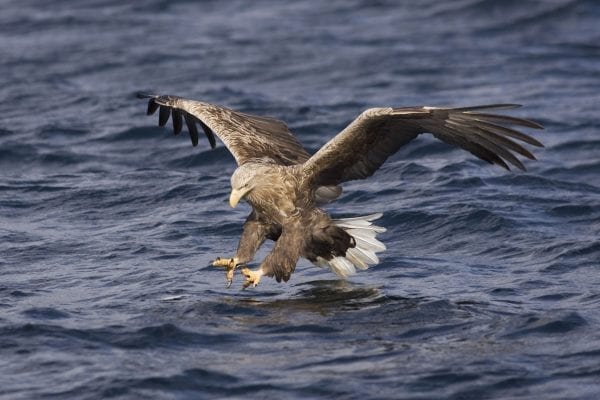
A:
[(323, 297)]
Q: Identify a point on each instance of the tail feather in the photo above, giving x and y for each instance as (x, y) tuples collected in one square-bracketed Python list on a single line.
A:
[(367, 256), (364, 230), (343, 266), (356, 258), (360, 222), (367, 245), (368, 242)]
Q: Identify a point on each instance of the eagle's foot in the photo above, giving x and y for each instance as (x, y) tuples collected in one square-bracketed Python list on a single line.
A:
[(252, 277), (229, 264)]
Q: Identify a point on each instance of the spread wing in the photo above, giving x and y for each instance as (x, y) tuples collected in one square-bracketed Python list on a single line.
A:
[(364, 145), (245, 136)]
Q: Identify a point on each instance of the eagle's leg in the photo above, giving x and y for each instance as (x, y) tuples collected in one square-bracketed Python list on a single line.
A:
[(281, 261), (252, 276), (229, 264), (254, 235)]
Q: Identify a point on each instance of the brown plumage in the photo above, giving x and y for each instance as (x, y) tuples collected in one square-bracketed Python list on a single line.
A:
[(284, 184)]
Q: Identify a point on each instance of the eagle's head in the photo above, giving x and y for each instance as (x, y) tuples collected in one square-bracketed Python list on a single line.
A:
[(243, 180)]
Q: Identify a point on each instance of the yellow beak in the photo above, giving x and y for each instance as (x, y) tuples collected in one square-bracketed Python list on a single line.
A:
[(236, 196)]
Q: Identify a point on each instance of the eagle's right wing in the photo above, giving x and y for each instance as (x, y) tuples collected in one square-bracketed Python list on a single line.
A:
[(246, 136)]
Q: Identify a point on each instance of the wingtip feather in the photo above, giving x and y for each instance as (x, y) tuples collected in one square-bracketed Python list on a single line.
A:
[(145, 95)]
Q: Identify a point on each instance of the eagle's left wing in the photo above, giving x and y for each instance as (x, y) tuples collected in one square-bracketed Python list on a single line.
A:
[(364, 145)]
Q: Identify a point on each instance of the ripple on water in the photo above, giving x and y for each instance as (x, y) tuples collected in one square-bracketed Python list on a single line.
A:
[(547, 324)]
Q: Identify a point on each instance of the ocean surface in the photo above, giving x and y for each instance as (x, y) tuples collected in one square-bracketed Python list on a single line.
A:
[(489, 289)]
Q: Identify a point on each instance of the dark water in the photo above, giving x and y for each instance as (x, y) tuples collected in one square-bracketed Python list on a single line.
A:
[(490, 287)]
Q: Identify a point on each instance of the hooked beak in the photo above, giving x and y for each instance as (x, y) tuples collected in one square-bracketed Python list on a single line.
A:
[(236, 196)]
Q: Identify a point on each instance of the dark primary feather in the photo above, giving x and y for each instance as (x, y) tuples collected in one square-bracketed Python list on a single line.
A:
[(152, 107), (490, 126), (507, 120), (210, 135), (191, 125), (163, 115), (177, 121), (364, 145)]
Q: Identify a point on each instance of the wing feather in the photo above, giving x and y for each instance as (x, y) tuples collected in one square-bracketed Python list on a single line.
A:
[(192, 128), (210, 135), (485, 123), (177, 121), (152, 107), (163, 115), (364, 145)]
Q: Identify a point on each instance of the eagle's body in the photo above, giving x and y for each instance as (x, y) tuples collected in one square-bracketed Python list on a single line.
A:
[(286, 186), (285, 206), (281, 196)]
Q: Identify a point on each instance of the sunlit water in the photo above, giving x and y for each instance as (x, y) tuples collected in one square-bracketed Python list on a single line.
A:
[(490, 287)]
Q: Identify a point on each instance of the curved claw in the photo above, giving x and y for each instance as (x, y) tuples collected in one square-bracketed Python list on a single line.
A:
[(229, 264), (252, 277)]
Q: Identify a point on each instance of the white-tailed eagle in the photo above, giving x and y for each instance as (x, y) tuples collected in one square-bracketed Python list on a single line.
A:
[(285, 185)]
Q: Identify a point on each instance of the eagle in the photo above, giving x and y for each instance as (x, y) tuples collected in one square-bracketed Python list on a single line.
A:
[(286, 186)]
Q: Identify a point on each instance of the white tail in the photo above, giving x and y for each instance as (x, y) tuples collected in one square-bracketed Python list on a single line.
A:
[(364, 254)]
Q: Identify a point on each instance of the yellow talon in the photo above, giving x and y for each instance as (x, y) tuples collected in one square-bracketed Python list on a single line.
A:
[(229, 264), (252, 277)]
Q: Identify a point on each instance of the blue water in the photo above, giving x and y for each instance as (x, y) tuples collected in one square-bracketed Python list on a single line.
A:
[(490, 287)]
